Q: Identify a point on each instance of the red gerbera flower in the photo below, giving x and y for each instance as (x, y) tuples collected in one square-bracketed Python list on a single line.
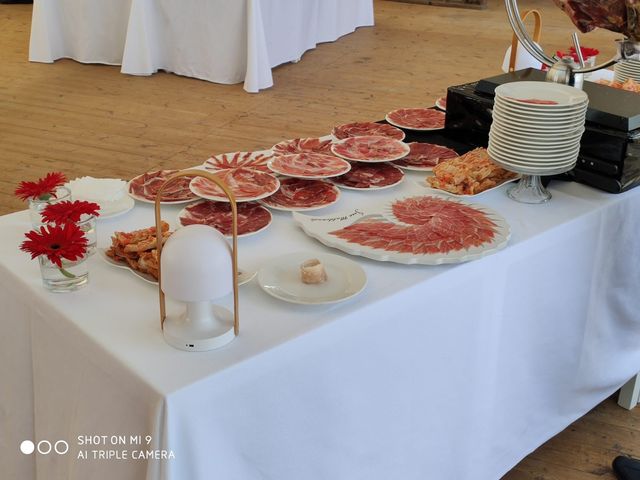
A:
[(56, 242), (41, 189), (63, 212)]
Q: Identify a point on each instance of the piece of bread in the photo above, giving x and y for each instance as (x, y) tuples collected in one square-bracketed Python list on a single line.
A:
[(312, 272)]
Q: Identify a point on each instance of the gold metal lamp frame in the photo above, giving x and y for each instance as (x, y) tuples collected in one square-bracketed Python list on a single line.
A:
[(234, 231)]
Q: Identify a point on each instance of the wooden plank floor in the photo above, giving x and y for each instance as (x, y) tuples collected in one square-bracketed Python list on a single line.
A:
[(92, 120)]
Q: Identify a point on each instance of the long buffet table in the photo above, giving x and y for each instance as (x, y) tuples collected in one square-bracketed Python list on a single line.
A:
[(220, 41), (452, 371)]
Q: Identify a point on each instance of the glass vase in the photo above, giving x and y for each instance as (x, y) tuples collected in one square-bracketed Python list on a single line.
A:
[(72, 275), (88, 225), (36, 206)]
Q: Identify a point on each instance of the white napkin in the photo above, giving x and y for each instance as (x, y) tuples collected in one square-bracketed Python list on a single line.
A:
[(99, 190)]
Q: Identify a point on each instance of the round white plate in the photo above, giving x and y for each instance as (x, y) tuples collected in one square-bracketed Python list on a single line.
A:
[(369, 134), (280, 278), (227, 161), (529, 169), (368, 189), (522, 129), (146, 200), (550, 137), (506, 107), (349, 187), (543, 167), (405, 152), (284, 208), (533, 124), (248, 234), (533, 155), (564, 95), (244, 276), (528, 143), (222, 198), (276, 165), (532, 109), (414, 129)]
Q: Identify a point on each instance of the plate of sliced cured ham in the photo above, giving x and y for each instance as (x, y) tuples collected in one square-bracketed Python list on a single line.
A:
[(245, 183), (370, 176), (144, 188), (363, 129), (309, 165), (420, 229), (302, 145), (421, 119), (370, 149), (252, 217), (229, 161), (296, 194), (425, 156)]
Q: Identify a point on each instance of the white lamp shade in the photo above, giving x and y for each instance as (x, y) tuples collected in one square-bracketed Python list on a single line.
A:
[(196, 265), (523, 59)]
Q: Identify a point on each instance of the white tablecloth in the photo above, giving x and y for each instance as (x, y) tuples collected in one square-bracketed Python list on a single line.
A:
[(432, 372), (223, 41)]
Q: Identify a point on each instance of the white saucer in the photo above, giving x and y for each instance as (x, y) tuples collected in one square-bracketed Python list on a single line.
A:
[(280, 277)]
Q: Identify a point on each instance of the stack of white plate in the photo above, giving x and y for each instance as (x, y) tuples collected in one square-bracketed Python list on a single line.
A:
[(537, 127), (627, 69)]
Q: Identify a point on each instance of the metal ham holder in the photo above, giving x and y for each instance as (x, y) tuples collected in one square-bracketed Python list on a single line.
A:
[(564, 70)]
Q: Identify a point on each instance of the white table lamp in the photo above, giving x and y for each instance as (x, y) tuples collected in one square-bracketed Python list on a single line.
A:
[(196, 269), (197, 266)]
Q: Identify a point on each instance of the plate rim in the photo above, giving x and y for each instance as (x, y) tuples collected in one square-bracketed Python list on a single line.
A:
[(162, 202), (415, 129), (238, 200), (336, 139), (340, 142), (307, 177), (248, 234)]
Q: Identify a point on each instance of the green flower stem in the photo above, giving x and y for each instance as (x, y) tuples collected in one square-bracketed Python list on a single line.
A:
[(66, 273)]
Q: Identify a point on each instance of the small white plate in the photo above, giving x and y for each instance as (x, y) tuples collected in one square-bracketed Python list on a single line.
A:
[(143, 276), (280, 277)]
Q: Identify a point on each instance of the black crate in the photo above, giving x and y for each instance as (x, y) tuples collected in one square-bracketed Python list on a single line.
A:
[(610, 147)]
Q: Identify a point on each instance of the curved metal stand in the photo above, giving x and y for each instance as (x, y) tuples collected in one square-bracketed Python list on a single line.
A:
[(234, 233), (561, 71)]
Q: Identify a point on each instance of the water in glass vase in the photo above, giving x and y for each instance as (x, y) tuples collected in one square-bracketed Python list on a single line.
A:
[(72, 275)]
